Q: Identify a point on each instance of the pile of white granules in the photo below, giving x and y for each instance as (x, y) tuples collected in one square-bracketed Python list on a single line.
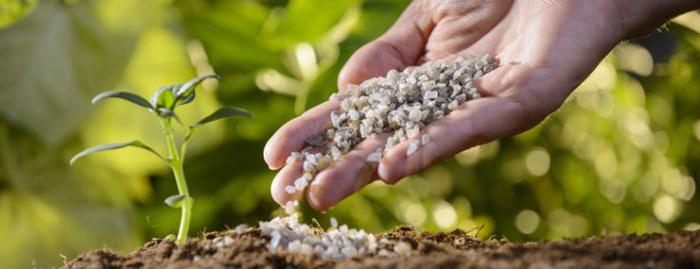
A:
[(338, 242), (335, 243), (401, 102)]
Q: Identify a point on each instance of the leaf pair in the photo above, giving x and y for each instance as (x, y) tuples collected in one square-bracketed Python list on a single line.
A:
[(163, 100), (178, 94)]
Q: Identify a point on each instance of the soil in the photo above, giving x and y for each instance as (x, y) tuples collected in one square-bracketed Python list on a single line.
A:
[(430, 250)]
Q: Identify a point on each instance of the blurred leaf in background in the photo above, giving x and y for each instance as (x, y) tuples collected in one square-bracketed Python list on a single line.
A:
[(54, 58), (620, 156), (13, 10)]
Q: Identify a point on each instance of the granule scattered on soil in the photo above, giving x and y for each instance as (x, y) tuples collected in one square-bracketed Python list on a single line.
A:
[(248, 248), (337, 242)]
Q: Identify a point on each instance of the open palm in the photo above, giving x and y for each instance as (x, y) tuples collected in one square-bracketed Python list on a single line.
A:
[(545, 49)]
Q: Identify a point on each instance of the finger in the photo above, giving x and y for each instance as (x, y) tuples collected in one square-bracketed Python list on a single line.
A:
[(510, 110), (398, 48), (292, 135), (346, 175), (286, 177)]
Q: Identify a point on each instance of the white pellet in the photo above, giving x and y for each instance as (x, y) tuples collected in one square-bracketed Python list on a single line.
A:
[(402, 248), (412, 147), (430, 95), (424, 139), (290, 189), (300, 184), (354, 115), (374, 157), (228, 241)]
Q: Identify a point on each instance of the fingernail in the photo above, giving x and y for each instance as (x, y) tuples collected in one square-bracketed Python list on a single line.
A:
[(272, 166), (385, 175), (382, 171), (312, 198)]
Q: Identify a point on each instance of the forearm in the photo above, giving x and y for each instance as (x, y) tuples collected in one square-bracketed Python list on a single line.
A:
[(640, 17)]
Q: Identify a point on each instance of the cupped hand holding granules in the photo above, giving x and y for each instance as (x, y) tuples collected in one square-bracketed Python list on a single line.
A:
[(396, 107), (544, 50)]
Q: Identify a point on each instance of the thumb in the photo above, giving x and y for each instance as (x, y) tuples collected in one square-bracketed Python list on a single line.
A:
[(399, 47)]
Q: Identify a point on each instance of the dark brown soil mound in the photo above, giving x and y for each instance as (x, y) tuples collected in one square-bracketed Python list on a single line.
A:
[(431, 250)]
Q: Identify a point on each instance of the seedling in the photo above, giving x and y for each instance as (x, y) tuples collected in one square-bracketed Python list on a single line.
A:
[(163, 103)]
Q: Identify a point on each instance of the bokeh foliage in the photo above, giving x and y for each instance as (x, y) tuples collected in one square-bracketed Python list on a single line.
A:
[(620, 156)]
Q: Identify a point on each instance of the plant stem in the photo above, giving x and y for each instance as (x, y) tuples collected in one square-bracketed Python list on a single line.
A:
[(176, 161)]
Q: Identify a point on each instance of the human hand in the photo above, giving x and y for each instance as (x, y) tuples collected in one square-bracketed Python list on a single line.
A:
[(545, 49)]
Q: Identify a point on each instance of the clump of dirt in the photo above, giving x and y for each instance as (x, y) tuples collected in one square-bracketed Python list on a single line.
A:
[(248, 249)]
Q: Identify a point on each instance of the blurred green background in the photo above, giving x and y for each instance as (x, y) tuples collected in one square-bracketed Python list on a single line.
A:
[(621, 156)]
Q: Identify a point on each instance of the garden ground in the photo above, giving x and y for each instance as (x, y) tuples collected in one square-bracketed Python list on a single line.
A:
[(430, 250)]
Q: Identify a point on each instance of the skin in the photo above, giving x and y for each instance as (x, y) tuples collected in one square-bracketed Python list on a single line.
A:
[(545, 49)]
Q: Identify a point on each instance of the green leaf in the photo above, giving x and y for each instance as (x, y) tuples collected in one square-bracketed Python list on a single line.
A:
[(123, 95), (222, 113), (164, 97), (306, 21), (186, 99), (174, 200), (113, 146), (13, 10), (184, 90)]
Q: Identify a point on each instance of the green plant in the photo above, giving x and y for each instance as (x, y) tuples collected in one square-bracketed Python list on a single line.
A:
[(163, 103)]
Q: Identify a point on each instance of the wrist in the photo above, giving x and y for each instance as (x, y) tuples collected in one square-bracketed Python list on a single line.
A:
[(641, 17)]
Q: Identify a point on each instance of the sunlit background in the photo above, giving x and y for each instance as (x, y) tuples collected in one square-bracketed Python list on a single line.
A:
[(621, 156)]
